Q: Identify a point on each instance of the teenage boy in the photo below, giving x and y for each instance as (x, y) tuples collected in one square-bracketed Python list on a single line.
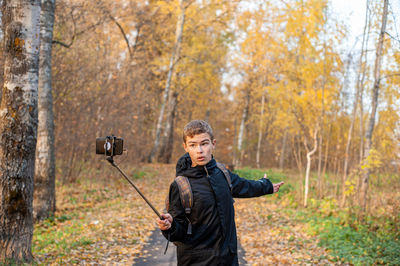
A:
[(206, 235)]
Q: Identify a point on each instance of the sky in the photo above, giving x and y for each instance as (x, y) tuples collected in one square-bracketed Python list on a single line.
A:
[(352, 12)]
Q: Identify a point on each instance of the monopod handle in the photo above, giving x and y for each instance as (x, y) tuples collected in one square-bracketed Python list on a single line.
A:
[(111, 161)]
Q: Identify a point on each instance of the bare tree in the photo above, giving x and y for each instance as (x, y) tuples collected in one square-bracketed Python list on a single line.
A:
[(44, 203), (375, 95), (354, 112), (18, 127)]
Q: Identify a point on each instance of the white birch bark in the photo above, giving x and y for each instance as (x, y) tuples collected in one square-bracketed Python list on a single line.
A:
[(168, 136), (260, 130), (354, 113), (174, 58), (308, 168), (18, 127), (375, 96), (243, 121), (1, 51), (44, 193)]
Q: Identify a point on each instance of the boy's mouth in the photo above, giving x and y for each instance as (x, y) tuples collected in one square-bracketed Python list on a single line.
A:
[(201, 158)]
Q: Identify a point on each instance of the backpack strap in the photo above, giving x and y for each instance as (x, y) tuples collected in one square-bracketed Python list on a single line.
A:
[(222, 167), (186, 195)]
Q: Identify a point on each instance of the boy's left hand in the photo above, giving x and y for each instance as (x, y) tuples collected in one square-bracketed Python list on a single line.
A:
[(277, 186)]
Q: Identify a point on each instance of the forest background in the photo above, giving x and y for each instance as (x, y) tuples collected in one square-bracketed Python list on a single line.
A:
[(272, 78)]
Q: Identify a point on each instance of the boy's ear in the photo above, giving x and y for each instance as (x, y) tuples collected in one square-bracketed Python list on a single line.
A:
[(184, 146)]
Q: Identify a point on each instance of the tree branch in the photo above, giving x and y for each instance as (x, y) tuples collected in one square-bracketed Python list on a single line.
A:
[(389, 76), (123, 34), (76, 34), (392, 37)]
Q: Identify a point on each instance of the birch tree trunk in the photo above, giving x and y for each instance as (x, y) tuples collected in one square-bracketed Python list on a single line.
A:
[(361, 104), (283, 150), (354, 113), (44, 202), (168, 136), (260, 130), (375, 95), (174, 58), (243, 121), (321, 137), (309, 154), (18, 128)]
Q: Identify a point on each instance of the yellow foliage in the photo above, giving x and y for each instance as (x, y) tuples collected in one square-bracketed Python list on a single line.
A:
[(350, 185), (373, 160)]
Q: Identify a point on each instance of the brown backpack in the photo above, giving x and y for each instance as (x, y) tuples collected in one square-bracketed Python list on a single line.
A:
[(186, 194)]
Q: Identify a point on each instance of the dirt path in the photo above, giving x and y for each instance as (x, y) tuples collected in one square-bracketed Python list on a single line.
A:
[(153, 252), (267, 234), (110, 224), (271, 237)]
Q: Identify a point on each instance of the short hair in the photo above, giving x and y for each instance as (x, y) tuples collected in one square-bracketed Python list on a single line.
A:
[(196, 127)]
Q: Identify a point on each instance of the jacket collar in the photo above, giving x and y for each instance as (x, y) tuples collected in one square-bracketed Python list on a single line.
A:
[(184, 167)]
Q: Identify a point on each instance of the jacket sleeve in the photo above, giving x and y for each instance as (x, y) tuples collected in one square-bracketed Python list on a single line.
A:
[(244, 188), (178, 229)]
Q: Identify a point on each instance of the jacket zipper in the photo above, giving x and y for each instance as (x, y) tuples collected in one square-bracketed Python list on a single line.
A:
[(205, 168), (215, 196)]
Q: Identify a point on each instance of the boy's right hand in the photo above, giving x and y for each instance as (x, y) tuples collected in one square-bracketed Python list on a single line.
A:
[(166, 223)]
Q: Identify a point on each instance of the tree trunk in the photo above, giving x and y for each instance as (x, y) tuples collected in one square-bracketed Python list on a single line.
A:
[(260, 130), (168, 136), (297, 155), (44, 202), (18, 128), (354, 113), (308, 168), (243, 121), (326, 151), (174, 58), (375, 95), (234, 151), (1, 50), (283, 150), (322, 118), (362, 93)]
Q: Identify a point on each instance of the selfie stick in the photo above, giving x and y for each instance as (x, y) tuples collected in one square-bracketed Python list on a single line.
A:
[(111, 161)]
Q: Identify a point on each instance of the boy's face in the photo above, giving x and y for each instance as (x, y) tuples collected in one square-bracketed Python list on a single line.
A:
[(200, 148)]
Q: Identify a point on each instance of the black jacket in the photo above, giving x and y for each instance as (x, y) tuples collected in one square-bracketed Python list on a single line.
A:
[(213, 240)]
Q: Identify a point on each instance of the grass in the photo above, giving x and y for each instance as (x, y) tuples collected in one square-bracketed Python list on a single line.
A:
[(358, 244), (57, 236), (375, 241), (274, 177)]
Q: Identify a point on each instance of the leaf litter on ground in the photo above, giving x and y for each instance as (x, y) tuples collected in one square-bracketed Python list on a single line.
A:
[(107, 222)]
